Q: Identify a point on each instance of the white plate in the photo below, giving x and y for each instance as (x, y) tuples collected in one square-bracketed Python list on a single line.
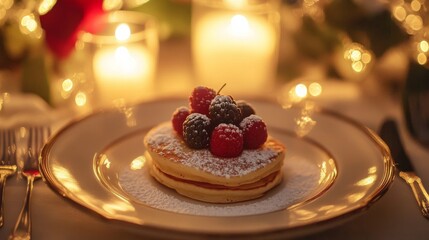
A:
[(334, 169)]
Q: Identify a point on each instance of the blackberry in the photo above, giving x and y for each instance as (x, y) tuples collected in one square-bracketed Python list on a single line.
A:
[(223, 109), (245, 108), (197, 131)]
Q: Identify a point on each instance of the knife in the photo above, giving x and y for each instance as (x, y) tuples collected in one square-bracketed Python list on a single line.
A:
[(390, 135)]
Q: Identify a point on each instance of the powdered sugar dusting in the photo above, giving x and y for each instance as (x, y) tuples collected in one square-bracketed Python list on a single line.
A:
[(300, 181), (166, 142), (249, 121)]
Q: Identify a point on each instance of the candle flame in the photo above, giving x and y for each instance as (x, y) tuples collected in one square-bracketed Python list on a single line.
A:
[(239, 26), (122, 32)]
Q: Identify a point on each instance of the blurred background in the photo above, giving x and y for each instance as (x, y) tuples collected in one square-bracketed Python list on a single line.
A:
[(371, 43)]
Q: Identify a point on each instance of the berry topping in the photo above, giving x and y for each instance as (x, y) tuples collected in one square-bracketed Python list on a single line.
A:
[(200, 99), (254, 131), (226, 141), (245, 108), (223, 109), (196, 131), (178, 118)]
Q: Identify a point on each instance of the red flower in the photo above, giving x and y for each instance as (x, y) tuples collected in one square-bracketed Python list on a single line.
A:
[(65, 20)]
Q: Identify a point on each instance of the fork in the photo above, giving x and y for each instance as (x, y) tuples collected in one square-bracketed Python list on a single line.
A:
[(7, 162), (37, 136)]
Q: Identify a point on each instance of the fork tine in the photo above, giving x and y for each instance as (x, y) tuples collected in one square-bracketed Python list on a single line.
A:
[(3, 146), (37, 136), (11, 147), (8, 146)]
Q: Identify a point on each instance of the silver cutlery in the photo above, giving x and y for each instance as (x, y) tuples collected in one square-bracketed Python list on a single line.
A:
[(390, 134), (37, 137), (7, 162)]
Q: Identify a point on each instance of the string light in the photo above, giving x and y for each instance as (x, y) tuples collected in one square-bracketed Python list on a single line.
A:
[(411, 14), (420, 47), (357, 59), (45, 6), (80, 99)]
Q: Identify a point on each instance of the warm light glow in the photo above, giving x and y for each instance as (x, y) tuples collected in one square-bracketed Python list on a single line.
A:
[(399, 13), (122, 32), (122, 72), (116, 207), (358, 57), (241, 49), (45, 6), (28, 23), (421, 58), (6, 4), (354, 198), (315, 89), (367, 181), (106, 162), (235, 3), (415, 5), (357, 66), (109, 5), (121, 55), (66, 178), (414, 22), (355, 55), (80, 99), (239, 26), (2, 13), (301, 90), (424, 46), (138, 163), (366, 57), (67, 85), (305, 123), (303, 214)]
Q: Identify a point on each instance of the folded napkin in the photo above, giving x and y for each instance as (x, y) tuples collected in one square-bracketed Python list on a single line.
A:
[(18, 110)]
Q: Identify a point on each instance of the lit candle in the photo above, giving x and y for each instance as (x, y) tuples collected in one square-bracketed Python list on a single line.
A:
[(237, 49), (122, 70)]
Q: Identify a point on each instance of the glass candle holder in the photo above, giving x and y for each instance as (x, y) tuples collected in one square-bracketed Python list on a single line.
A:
[(122, 57), (236, 42)]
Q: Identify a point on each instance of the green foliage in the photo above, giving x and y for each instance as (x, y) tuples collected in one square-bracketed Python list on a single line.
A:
[(377, 32), (34, 77), (316, 40), (174, 16)]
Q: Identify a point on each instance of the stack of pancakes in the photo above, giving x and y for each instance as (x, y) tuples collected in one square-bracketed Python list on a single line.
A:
[(200, 175)]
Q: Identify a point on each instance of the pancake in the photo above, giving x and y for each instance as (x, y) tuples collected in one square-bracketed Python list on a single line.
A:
[(200, 175)]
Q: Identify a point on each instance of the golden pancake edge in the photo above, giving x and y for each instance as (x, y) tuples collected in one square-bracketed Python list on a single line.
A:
[(200, 175)]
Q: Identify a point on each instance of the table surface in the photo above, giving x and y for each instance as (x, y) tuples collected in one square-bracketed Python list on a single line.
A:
[(394, 216)]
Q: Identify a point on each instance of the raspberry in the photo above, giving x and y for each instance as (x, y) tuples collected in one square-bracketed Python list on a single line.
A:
[(245, 108), (254, 131), (226, 141), (223, 109), (196, 131), (200, 99), (178, 118)]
